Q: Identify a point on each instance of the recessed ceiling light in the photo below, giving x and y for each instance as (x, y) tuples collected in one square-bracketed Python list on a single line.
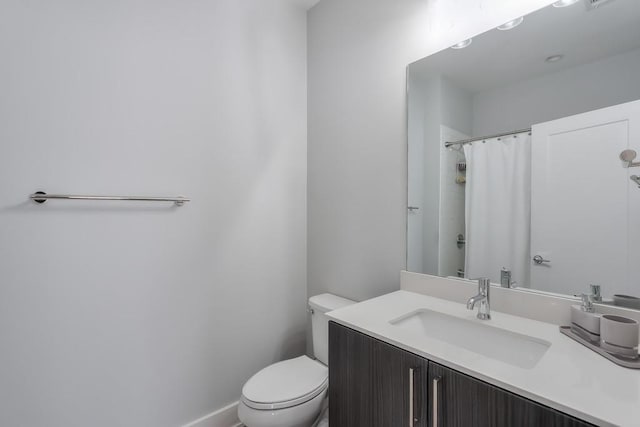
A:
[(511, 24), (462, 44), (565, 3), (554, 58)]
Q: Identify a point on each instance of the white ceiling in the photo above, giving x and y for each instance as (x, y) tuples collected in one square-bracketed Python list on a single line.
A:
[(496, 58)]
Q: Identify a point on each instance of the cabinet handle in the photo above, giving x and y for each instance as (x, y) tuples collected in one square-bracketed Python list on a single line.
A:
[(434, 409), (411, 397)]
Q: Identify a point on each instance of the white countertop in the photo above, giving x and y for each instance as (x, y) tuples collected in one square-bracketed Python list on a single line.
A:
[(569, 377)]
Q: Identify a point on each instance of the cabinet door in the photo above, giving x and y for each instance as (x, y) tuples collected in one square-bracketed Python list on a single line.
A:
[(463, 401), (374, 384)]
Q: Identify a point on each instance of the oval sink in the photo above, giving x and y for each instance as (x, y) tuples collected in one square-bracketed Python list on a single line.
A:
[(509, 347)]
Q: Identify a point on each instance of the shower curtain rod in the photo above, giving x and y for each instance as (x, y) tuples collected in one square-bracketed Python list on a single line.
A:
[(480, 138)]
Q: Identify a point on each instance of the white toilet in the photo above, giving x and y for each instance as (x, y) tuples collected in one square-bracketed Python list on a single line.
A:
[(291, 393)]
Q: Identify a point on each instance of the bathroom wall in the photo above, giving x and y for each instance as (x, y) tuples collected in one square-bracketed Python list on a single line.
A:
[(134, 314), (451, 221), (576, 90), (454, 124), (415, 192), (434, 101), (431, 96), (455, 107), (357, 185)]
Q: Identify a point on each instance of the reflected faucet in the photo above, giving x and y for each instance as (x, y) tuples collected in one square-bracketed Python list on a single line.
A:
[(484, 309), (505, 278)]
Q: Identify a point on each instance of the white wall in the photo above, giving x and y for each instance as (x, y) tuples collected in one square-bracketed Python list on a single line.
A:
[(600, 84), (415, 174), (358, 52), (456, 107), (132, 314), (456, 120), (432, 97), (433, 100), (451, 220)]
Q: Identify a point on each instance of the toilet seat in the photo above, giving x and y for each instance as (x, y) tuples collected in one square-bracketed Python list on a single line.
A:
[(286, 384)]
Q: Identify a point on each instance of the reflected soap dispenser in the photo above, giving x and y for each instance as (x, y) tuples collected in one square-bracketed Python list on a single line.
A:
[(584, 319)]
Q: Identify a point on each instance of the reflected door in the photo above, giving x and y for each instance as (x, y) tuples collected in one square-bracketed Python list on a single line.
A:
[(585, 210)]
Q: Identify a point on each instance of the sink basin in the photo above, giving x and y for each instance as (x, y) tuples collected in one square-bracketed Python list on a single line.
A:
[(509, 347)]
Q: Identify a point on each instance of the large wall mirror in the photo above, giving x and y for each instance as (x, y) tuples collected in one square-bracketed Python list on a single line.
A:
[(521, 153)]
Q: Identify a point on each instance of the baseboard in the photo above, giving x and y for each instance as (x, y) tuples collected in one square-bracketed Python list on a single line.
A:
[(224, 417)]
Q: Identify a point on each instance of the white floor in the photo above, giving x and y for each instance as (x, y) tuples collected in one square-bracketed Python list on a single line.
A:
[(324, 419)]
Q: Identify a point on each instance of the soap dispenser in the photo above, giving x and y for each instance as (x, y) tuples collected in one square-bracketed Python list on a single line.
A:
[(584, 319)]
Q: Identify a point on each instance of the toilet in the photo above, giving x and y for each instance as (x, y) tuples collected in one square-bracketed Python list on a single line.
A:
[(292, 393)]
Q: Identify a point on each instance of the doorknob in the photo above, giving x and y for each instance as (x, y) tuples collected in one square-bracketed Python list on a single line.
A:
[(539, 260)]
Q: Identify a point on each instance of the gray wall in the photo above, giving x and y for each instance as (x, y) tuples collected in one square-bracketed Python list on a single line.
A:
[(416, 126), (433, 100), (356, 160), (115, 314), (432, 96), (457, 112), (576, 90), (358, 53)]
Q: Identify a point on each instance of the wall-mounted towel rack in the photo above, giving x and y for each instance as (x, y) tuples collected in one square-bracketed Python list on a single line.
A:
[(41, 197)]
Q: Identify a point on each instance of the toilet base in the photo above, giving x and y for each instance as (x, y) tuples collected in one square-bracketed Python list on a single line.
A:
[(323, 418), (303, 415)]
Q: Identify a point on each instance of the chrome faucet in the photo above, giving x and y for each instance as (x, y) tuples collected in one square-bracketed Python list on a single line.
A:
[(505, 278), (484, 310)]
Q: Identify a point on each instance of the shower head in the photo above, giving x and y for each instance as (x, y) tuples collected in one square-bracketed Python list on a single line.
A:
[(627, 157)]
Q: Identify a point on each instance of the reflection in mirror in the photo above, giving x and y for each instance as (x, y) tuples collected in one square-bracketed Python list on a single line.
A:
[(520, 161)]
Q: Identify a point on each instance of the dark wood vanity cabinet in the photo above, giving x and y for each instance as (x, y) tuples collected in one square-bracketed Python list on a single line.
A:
[(374, 384), (465, 401)]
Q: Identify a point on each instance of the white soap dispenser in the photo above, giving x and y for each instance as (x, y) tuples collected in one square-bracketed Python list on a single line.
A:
[(584, 319)]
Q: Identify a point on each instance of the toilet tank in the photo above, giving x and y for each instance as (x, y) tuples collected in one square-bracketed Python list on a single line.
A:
[(320, 305)]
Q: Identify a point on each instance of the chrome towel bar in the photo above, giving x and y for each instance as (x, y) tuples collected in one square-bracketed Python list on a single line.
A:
[(41, 197)]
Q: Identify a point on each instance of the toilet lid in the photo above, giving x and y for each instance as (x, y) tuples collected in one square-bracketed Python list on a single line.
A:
[(285, 384)]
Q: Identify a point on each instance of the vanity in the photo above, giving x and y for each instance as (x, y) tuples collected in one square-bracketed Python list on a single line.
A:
[(410, 359), (377, 384)]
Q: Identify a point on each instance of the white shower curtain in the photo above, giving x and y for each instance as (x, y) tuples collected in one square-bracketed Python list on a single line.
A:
[(498, 207)]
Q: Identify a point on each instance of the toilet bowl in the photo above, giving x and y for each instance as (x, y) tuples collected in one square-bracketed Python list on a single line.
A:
[(291, 393)]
